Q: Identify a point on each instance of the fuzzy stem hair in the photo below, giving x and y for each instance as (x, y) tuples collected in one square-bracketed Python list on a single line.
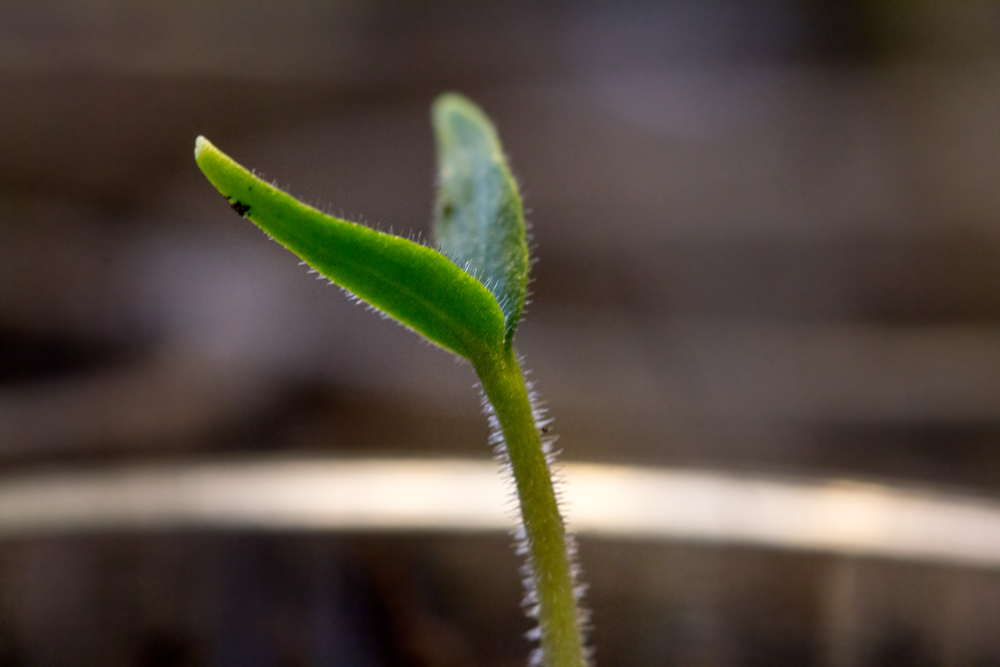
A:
[(552, 591)]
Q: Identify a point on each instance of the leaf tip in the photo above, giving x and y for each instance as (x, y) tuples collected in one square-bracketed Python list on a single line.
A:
[(452, 111), (453, 103), (201, 144)]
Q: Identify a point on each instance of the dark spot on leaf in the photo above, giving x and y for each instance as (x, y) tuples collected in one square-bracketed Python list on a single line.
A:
[(447, 210), (241, 208)]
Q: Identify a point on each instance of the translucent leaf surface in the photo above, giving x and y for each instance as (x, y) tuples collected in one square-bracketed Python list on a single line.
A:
[(479, 219), (414, 284)]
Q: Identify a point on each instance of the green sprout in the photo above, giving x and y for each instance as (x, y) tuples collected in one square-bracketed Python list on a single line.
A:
[(468, 298)]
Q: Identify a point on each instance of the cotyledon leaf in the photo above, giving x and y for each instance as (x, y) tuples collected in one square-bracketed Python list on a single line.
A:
[(479, 219), (412, 283)]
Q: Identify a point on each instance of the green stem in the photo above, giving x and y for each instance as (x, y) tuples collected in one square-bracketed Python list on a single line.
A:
[(551, 565)]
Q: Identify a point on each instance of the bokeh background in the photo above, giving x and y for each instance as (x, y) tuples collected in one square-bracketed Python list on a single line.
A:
[(767, 241)]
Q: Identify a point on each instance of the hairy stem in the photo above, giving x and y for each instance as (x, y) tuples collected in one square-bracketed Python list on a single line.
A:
[(549, 559)]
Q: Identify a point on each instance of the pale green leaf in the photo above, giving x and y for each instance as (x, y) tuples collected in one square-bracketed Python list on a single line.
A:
[(479, 219)]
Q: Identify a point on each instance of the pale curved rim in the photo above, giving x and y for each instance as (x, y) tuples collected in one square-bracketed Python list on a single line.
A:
[(446, 495)]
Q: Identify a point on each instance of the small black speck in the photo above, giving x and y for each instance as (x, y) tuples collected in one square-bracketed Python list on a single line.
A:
[(240, 207), (545, 429)]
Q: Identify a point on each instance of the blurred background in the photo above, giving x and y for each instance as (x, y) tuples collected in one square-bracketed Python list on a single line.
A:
[(767, 242)]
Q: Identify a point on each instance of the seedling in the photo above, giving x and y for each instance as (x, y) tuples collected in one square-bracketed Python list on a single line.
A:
[(467, 296)]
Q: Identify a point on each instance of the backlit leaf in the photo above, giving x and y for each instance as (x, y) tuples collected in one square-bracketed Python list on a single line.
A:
[(414, 284)]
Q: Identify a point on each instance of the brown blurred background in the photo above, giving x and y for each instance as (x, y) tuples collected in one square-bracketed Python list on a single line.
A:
[(767, 240)]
